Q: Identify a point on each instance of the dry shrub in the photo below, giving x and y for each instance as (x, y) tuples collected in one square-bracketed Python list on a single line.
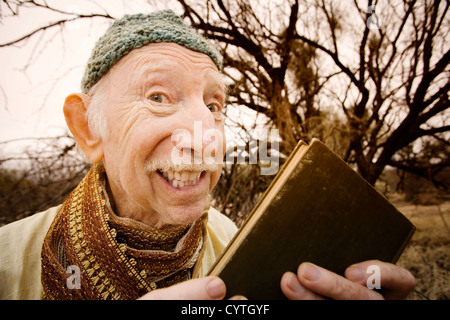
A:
[(427, 256)]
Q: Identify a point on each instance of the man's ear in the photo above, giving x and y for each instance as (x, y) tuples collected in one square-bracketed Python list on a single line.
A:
[(75, 112)]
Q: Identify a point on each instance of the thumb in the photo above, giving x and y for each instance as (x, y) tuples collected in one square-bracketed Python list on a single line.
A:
[(208, 288)]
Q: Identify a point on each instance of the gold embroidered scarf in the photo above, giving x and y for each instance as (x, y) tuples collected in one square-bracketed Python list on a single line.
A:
[(114, 258)]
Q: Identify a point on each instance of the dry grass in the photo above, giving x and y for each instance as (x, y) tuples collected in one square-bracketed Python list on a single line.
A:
[(427, 255)]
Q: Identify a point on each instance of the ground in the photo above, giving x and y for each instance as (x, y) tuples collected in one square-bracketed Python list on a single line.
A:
[(427, 255)]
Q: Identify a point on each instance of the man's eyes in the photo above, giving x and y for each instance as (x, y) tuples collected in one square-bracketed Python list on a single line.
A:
[(213, 107), (158, 98), (161, 98)]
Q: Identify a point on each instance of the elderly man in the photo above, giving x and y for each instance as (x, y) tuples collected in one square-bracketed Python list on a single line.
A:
[(140, 225)]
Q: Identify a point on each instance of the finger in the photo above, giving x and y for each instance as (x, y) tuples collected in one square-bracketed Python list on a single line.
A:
[(332, 285), (209, 288), (293, 290), (395, 282), (238, 297)]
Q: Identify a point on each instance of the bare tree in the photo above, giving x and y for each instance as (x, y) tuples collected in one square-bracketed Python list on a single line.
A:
[(40, 178), (403, 68), (392, 91)]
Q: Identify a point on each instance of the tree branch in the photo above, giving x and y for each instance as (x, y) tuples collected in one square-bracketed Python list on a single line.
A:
[(332, 55), (51, 25)]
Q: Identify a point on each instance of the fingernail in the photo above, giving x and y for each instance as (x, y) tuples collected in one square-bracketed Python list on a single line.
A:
[(238, 298), (293, 283), (216, 288), (310, 272), (355, 274)]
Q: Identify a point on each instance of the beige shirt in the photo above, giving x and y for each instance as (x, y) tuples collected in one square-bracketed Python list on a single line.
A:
[(21, 245)]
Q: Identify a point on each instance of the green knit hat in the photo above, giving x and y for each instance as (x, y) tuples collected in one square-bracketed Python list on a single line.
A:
[(135, 31)]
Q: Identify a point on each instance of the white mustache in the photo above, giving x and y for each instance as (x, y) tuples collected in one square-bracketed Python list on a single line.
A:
[(167, 165)]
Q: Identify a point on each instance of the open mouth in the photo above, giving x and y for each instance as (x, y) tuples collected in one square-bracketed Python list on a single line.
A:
[(179, 179)]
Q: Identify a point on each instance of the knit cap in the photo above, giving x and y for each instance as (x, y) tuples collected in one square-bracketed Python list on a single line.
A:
[(135, 31)]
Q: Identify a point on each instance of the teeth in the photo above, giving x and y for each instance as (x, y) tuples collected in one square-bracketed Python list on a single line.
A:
[(194, 176), (181, 179)]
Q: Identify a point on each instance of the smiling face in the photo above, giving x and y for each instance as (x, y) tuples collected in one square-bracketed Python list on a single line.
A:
[(163, 103)]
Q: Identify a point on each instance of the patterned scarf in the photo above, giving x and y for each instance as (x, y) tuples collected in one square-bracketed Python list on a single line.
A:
[(113, 257)]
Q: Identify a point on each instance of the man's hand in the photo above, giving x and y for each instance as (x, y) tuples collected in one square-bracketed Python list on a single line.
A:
[(209, 288), (315, 283)]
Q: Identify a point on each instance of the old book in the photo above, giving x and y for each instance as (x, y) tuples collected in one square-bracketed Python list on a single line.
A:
[(317, 209)]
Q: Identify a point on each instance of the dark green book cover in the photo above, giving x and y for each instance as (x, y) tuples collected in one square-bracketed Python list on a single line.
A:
[(316, 209)]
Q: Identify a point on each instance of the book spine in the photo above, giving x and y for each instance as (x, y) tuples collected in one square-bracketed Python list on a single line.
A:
[(404, 244)]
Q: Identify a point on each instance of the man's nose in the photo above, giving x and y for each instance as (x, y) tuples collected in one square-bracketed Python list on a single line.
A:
[(197, 131)]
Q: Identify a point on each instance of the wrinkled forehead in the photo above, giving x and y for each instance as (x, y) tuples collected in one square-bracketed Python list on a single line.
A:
[(168, 59)]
